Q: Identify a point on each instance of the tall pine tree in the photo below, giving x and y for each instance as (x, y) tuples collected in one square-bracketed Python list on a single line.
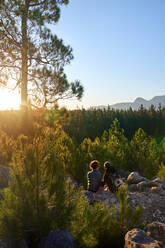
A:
[(31, 55)]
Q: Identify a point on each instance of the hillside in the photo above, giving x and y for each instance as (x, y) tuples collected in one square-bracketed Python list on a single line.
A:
[(137, 103)]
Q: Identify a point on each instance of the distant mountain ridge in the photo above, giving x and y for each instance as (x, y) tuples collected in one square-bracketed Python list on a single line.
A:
[(137, 103)]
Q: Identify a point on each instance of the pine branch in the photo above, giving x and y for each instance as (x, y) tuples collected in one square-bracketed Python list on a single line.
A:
[(36, 4)]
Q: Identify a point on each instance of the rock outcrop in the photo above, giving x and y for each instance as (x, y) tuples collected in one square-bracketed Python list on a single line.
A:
[(153, 236), (137, 238), (58, 239), (156, 230), (149, 194)]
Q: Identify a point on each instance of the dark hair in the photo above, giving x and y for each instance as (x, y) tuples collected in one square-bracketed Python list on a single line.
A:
[(107, 165), (109, 168), (94, 164)]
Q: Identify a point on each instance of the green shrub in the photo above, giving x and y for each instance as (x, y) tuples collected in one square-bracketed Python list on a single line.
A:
[(100, 226), (7, 146), (161, 171), (39, 197)]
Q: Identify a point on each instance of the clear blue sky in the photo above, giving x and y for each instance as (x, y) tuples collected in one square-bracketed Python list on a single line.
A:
[(118, 47)]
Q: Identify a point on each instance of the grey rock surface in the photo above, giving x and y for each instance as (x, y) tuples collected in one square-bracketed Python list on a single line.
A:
[(156, 230), (58, 239), (134, 178), (153, 205), (137, 238)]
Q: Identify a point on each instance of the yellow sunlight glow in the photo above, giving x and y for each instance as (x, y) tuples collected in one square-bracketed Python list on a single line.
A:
[(9, 100)]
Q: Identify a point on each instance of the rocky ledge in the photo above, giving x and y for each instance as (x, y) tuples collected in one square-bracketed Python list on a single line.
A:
[(149, 194)]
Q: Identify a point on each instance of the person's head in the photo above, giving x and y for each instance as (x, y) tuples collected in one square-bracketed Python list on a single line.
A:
[(109, 168), (94, 165), (107, 165)]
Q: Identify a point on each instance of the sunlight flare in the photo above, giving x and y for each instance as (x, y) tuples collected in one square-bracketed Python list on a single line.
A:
[(9, 100)]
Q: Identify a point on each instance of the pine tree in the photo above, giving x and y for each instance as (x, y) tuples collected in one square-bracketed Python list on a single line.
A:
[(39, 198), (31, 55), (99, 225), (117, 145)]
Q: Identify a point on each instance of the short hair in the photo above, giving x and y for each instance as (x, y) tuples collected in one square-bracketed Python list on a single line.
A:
[(94, 164)]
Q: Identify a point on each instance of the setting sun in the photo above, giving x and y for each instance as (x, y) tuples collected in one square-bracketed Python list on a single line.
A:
[(9, 100)]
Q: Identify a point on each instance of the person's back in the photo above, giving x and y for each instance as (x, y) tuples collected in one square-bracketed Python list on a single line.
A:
[(94, 177), (94, 180)]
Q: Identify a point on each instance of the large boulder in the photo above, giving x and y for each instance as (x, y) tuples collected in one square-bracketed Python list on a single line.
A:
[(156, 230), (137, 238), (150, 195), (134, 178), (136, 183), (58, 239), (152, 205), (107, 197), (143, 186)]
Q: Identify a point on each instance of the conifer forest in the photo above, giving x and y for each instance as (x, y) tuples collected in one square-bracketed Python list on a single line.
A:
[(46, 149)]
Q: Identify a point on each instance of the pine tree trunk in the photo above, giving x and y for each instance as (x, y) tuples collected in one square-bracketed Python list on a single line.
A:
[(24, 57), (37, 180)]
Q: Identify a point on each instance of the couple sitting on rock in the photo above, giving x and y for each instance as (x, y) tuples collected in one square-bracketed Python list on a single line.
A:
[(95, 181)]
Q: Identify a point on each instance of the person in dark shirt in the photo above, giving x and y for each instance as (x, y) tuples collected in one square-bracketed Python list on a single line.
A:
[(109, 174), (94, 177)]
